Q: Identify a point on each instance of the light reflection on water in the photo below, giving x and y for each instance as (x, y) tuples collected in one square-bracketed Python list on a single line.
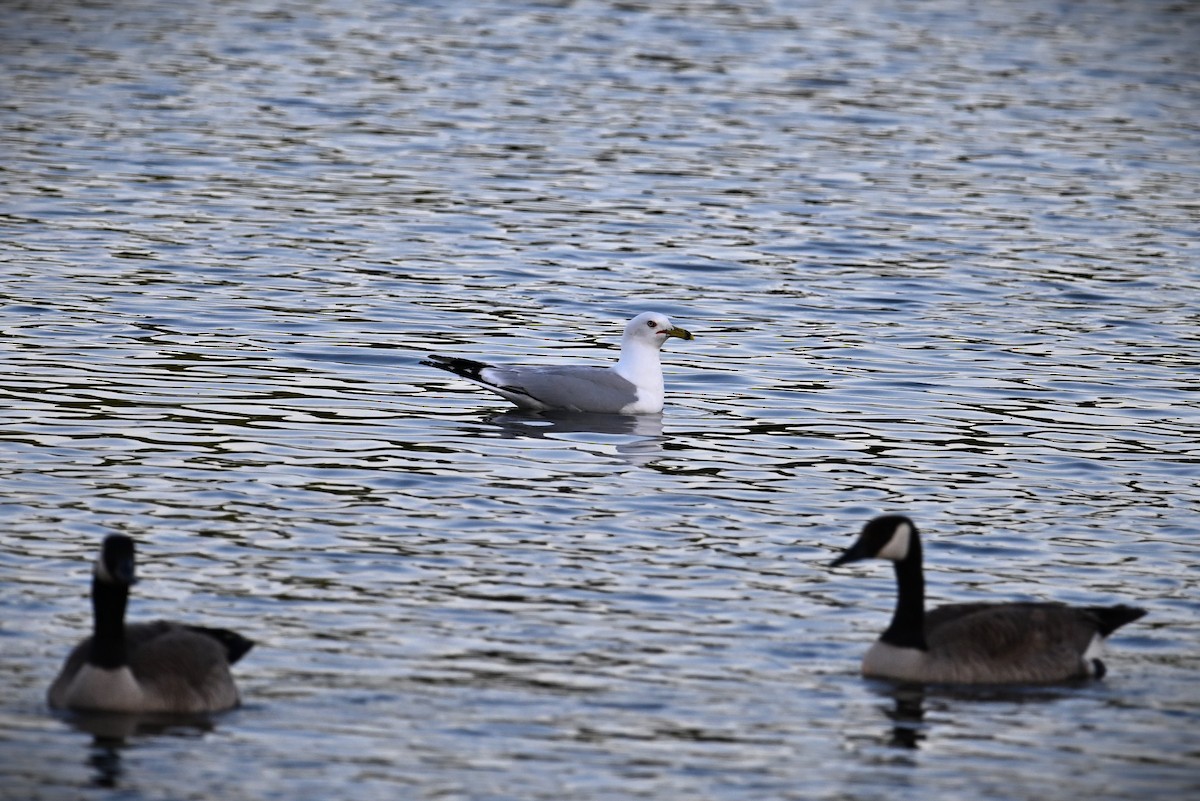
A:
[(938, 259)]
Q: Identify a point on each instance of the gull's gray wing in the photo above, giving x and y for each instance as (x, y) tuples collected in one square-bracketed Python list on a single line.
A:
[(577, 389)]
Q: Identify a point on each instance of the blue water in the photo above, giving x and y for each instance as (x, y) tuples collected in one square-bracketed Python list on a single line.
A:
[(940, 258)]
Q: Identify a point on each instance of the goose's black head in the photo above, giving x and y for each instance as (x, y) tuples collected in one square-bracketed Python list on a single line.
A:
[(885, 537), (116, 562)]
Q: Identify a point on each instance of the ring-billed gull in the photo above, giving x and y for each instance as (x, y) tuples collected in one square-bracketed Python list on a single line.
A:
[(634, 385)]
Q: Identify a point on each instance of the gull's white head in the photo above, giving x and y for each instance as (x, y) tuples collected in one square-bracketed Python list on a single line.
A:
[(653, 329)]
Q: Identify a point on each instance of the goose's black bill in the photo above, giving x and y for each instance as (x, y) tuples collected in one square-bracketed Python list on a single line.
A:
[(855, 553)]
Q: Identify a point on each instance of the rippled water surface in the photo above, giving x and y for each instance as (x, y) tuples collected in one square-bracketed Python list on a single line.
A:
[(940, 258)]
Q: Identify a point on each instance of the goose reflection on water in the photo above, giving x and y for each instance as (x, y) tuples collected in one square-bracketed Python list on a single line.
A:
[(907, 716), (905, 705), (112, 732)]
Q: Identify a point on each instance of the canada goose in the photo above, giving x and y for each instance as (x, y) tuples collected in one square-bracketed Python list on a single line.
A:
[(634, 385), (977, 643), (144, 667)]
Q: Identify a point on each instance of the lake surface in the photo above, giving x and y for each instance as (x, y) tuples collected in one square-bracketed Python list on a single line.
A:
[(940, 258)]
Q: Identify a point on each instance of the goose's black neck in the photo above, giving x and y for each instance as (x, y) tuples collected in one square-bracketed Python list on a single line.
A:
[(108, 633), (907, 629)]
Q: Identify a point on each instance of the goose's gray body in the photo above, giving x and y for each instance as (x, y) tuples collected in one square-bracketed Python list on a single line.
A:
[(171, 668), (1001, 644), (160, 666), (973, 643)]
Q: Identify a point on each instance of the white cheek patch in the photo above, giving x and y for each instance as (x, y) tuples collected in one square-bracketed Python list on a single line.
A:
[(896, 548), (102, 571)]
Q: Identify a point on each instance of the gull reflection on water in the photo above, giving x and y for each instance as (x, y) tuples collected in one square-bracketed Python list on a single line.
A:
[(644, 431)]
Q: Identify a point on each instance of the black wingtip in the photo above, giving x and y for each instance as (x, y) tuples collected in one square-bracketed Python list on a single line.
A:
[(1111, 618), (467, 368), (239, 649), (236, 646)]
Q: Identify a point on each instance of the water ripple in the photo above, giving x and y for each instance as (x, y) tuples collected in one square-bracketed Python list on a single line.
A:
[(939, 258)]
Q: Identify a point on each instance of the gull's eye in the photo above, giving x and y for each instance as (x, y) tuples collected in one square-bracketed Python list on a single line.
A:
[(652, 324)]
